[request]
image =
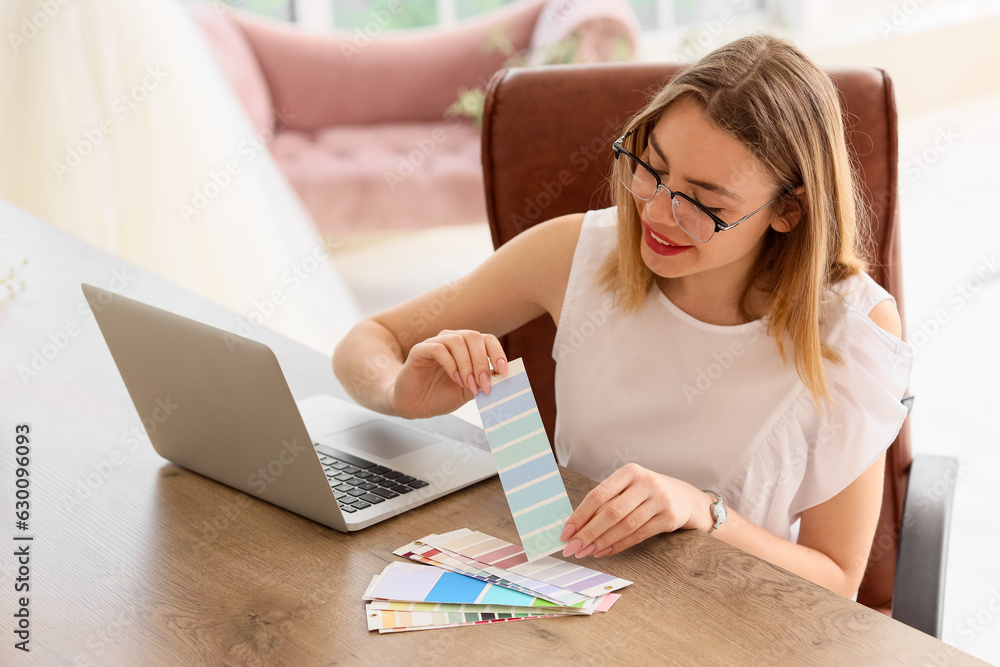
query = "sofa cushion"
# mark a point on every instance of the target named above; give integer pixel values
(373, 75)
(237, 60)
(381, 176)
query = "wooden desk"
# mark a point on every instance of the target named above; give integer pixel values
(136, 561)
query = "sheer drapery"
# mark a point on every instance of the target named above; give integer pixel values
(118, 126)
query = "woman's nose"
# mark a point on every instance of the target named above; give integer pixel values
(660, 206)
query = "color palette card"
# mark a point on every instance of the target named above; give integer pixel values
(421, 614)
(394, 605)
(528, 472)
(456, 581)
(413, 582)
(430, 555)
(410, 628)
(423, 552)
(510, 562)
(387, 615)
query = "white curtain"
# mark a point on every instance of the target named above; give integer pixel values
(116, 125)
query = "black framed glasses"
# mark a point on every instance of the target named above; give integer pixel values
(694, 219)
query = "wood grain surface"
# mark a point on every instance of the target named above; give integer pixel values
(137, 561)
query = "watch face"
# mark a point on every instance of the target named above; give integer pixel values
(718, 509)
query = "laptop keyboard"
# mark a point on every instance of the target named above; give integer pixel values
(358, 484)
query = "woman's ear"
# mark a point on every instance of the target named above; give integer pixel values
(792, 212)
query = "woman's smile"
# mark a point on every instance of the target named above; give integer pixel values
(660, 243)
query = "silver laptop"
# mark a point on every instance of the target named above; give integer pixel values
(218, 404)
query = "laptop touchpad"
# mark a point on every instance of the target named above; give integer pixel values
(381, 438)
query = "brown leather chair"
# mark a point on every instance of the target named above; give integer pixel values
(547, 135)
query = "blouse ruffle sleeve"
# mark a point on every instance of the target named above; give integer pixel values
(865, 414)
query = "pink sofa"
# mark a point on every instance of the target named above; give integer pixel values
(358, 121)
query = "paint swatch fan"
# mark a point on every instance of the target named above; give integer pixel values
(475, 579)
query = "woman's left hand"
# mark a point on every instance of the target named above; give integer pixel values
(632, 504)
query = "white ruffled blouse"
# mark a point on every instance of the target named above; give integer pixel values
(714, 405)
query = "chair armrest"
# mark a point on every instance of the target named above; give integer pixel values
(918, 590)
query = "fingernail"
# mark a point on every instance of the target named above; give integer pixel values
(572, 547)
(472, 385)
(458, 378)
(484, 381)
(567, 532)
(604, 552)
(591, 548)
(502, 366)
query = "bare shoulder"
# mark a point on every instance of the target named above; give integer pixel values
(858, 288)
(556, 234)
(886, 315)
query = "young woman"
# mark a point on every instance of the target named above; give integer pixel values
(737, 353)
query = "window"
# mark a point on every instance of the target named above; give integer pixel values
(278, 9)
(387, 14)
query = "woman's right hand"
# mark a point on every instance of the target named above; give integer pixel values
(444, 372)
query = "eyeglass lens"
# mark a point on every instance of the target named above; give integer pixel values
(640, 181)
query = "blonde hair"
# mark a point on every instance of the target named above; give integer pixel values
(777, 102)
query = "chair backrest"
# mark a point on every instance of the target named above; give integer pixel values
(547, 135)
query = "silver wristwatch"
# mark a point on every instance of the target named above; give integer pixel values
(718, 510)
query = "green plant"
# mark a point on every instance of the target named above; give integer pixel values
(469, 105)
(470, 102)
